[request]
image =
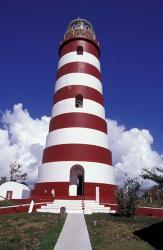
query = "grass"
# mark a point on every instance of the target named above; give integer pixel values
(153, 205)
(36, 231)
(117, 233)
(4, 203)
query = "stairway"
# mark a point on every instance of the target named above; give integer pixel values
(75, 206)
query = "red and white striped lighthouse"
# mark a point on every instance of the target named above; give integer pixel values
(76, 160)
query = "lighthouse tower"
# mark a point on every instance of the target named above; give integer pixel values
(77, 163)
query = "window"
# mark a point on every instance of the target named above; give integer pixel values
(79, 101)
(79, 50)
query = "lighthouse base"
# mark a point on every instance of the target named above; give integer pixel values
(60, 190)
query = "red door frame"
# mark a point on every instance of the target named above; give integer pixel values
(9, 195)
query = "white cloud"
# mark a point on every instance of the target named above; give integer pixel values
(132, 151)
(23, 138)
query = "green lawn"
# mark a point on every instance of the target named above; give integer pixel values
(116, 233)
(30, 231)
(4, 203)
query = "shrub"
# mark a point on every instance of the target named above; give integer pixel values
(127, 197)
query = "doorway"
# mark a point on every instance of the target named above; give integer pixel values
(77, 178)
(80, 185)
(9, 195)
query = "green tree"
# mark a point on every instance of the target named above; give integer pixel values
(155, 194)
(3, 180)
(128, 196)
(153, 175)
(16, 172)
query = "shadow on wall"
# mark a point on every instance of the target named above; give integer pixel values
(25, 194)
(152, 234)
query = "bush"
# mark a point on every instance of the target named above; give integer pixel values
(127, 197)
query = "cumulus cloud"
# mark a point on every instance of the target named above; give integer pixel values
(132, 151)
(22, 139)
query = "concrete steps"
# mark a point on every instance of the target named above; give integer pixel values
(75, 206)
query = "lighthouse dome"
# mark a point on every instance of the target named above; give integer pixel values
(80, 28)
(80, 24)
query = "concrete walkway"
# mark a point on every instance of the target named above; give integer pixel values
(74, 235)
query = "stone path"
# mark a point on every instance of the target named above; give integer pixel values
(74, 235)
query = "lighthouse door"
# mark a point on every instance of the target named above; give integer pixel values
(80, 185)
(77, 179)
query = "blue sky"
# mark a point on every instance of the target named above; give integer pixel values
(131, 39)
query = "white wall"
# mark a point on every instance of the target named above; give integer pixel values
(60, 172)
(73, 57)
(77, 135)
(68, 106)
(20, 191)
(78, 79)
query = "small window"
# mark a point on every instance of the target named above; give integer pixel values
(79, 101)
(79, 50)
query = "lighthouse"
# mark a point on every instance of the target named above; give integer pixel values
(77, 162)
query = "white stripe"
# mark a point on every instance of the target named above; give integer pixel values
(60, 172)
(78, 79)
(68, 106)
(73, 57)
(77, 135)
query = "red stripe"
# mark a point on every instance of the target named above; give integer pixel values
(80, 67)
(72, 46)
(83, 120)
(77, 152)
(107, 191)
(73, 90)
